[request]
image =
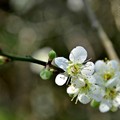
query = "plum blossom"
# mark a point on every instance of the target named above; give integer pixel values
(111, 100)
(75, 67)
(85, 93)
(107, 76)
(89, 82)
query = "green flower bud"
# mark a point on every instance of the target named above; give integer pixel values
(2, 60)
(45, 74)
(94, 104)
(114, 109)
(52, 55)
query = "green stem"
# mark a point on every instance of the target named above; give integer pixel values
(25, 59)
(29, 59)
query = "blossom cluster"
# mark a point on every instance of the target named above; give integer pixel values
(97, 83)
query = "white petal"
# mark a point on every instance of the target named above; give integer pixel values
(78, 82)
(105, 106)
(88, 68)
(91, 79)
(116, 101)
(99, 79)
(112, 82)
(61, 62)
(97, 93)
(113, 64)
(118, 87)
(117, 74)
(100, 66)
(72, 90)
(78, 55)
(84, 98)
(60, 79)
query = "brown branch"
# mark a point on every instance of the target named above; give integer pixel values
(100, 31)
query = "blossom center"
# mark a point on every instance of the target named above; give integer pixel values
(86, 87)
(110, 93)
(107, 76)
(73, 69)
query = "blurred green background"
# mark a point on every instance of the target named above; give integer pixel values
(27, 26)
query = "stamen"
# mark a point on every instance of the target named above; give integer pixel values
(68, 79)
(76, 100)
(87, 60)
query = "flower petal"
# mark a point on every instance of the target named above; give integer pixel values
(83, 98)
(72, 90)
(91, 79)
(113, 64)
(97, 93)
(100, 66)
(116, 101)
(99, 80)
(118, 88)
(105, 106)
(61, 62)
(78, 55)
(79, 82)
(60, 79)
(88, 69)
(112, 82)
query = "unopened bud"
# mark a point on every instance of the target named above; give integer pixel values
(45, 74)
(114, 109)
(2, 60)
(52, 55)
(94, 104)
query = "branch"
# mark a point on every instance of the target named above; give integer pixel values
(29, 59)
(100, 31)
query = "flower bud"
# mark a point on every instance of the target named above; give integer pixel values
(94, 104)
(45, 74)
(52, 55)
(2, 60)
(114, 109)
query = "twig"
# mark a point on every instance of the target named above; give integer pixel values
(100, 31)
(28, 59)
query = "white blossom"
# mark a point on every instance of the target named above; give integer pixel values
(87, 91)
(75, 67)
(110, 100)
(107, 76)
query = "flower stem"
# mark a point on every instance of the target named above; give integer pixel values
(29, 59)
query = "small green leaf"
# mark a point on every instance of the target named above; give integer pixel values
(45, 74)
(52, 55)
(94, 104)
